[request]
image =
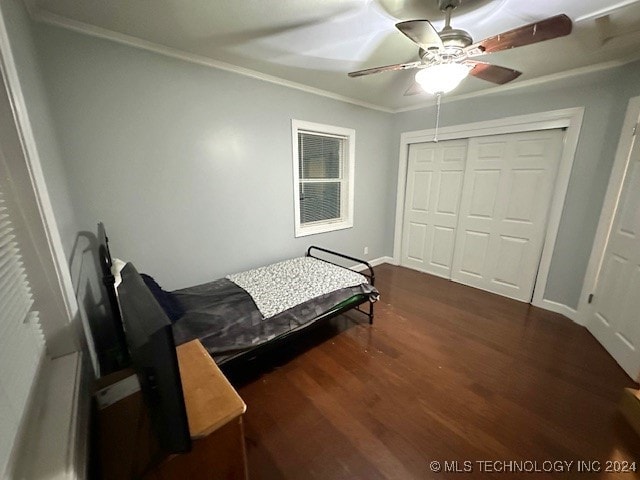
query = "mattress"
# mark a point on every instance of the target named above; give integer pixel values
(225, 318)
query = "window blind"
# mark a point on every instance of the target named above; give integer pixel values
(320, 171)
(21, 340)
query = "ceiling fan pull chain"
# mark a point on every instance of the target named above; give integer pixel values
(435, 135)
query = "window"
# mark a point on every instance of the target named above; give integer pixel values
(323, 170)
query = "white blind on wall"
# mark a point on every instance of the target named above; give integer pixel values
(320, 170)
(21, 340)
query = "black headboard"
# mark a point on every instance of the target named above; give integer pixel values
(109, 282)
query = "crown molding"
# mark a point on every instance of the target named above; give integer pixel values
(43, 16)
(605, 11)
(39, 15)
(575, 72)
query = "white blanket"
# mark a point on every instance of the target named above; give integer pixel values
(278, 287)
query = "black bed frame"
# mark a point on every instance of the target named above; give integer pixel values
(371, 276)
(109, 281)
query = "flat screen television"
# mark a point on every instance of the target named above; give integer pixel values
(150, 341)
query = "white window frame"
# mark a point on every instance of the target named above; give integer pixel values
(348, 180)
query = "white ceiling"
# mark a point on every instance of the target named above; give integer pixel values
(314, 43)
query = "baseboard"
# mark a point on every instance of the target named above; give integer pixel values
(374, 263)
(560, 308)
(380, 260)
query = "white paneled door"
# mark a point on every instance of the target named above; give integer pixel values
(476, 209)
(615, 311)
(434, 186)
(508, 186)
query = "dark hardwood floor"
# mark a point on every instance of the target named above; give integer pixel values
(445, 373)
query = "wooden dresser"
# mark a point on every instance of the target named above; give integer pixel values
(214, 410)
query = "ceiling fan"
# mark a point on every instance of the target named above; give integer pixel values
(446, 57)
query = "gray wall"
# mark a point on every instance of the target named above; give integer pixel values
(605, 96)
(190, 167)
(60, 334)
(20, 30)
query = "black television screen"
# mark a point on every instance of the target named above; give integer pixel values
(153, 353)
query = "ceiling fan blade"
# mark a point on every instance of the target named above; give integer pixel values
(414, 89)
(492, 73)
(386, 68)
(422, 33)
(552, 27)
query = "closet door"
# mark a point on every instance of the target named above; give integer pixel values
(508, 186)
(614, 315)
(434, 185)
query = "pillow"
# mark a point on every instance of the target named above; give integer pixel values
(116, 266)
(167, 301)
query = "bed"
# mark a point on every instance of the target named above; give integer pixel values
(242, 315)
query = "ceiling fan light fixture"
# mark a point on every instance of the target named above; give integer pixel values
(442, 78)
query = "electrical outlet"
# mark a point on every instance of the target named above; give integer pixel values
(366, 250)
